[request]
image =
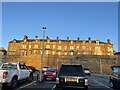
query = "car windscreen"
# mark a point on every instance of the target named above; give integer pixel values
(9, 66)
(116, 70)
(71, 71)
(50, 70)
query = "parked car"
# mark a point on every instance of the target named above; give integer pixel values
(45, 68)
(32, 68)
(114, 80)
(87, 71)
(11, 73)
(50, 74)
(71, 76)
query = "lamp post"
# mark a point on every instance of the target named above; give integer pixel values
(44, 29)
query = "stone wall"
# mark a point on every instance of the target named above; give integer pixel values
(96, 64)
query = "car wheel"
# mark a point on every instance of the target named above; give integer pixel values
(86, 88)
(111, 84)
(30, 78)
(4, 86)
(14, 82)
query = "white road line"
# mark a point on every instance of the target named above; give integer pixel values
(53, 87)
(26, 85)
(102, 84)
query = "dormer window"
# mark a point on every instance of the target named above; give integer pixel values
(71, 42)
(25, 40)
(48, 41)
(83, 42)
(97, 42)
(59, 42)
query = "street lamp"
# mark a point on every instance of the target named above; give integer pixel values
(44, 29)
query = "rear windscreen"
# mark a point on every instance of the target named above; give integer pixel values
(9, 66)
(71, 71)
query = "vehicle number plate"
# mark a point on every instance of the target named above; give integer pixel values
(71, 80)
(48, 78)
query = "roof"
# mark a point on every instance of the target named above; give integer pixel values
(54, 40)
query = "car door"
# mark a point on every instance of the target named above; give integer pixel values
(23, 71)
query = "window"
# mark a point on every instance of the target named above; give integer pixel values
(65, 53)
(24, 46)
(59, 53)
(29, 46)
(47, 52)
(83, 48)
(12, 48)
(36, 41)
(41, 46)
(25, 40)
(25, 52)
(84, 53)
(59, 47)
(83, 42)
(53, 46)
(78, 47)
(36, 46)
(71, 42)
(48, 46)
(97, 51)
(53, 52)
(59, 42)
(35, 51)
(97, 42)
(48, 41)
(41, 52)
(17, 48)
(65, 47)
(90, 48)
(22, 53)
(23, 67)
(71, 47)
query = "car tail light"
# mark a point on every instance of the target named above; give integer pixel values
(44, 73)
(5, 74)
(86, 81)
(54, 73)
(57, 80)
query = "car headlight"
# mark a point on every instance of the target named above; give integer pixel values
(86, 81)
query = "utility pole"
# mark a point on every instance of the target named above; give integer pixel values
(100, 66)
(44, 29)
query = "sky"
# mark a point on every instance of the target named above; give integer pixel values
(98, 20)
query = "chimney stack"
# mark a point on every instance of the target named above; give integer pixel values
(78, 38)
(67, 38)
(108, 41)
(57, 38)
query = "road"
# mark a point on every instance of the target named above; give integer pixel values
(96, 82)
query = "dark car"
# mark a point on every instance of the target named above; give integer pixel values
(71, 76)
(50, 74)
(87, 71)
(114, 80)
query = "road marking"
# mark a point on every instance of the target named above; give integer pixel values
(50, 82)
(53, 87)
(26, 85)
(102, 84)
